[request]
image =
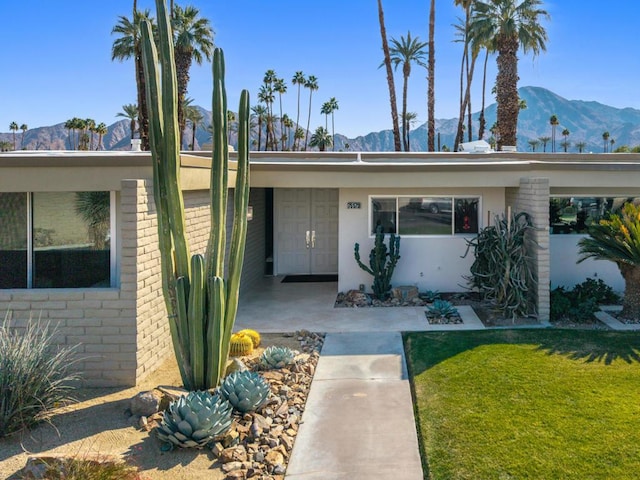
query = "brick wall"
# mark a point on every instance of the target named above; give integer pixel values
(123, 332)
(532, 197)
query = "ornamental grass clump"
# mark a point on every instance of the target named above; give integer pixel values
(35, 374)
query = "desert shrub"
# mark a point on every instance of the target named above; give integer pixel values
(598, 290)
(578, 304)
(34, 374)
(501, 271)
(84, 469)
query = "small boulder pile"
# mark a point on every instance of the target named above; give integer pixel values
(258, 444)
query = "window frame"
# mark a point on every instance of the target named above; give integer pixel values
(422, 196)
(583, 195)
(113, 246)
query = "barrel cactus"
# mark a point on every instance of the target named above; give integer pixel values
(193, 420)
(241, 345)
(277, 357)
(246, 391)
(255, 336)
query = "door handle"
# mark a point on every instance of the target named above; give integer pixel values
(313, 239)
(307, 239)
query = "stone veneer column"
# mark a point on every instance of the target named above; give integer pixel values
(532, 197)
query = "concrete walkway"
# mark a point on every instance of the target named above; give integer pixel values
(358, 422)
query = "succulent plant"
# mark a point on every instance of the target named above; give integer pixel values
(431, 295)
(246, 391)
(240, 345)
(255, 336)
(193, 420)
(441, 309)
(277, 357)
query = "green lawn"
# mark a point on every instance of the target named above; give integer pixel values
(527, 404)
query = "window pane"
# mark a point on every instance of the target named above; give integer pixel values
(13, 240)
(425, 216)
(71, 239)
(576, 214)
(466, 215)
(383, 213)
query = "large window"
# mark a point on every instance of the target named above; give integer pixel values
(575, 214)
(55, 240)
(419, 216)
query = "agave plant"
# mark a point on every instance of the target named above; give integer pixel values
(194, 420)
(246, 391)
(441, 309)
(277, 357)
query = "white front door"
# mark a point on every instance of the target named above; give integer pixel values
(306, 229)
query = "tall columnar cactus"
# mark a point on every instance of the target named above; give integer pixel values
(382, 262)
(200, 301)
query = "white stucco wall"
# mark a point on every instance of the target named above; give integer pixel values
(430, 263)
(566, 273)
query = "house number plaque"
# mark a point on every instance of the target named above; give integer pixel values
(351, 205)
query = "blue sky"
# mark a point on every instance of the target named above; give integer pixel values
(57, 57)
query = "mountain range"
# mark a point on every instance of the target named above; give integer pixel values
(585, 120)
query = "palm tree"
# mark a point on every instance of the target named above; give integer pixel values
(605, 138)
(312, 85)
(533, 144)
(260, 113)
(612, 142)
(299, 80)
(321, 139)
(431, 80)
(13, 126)
(509, 25)
(581, 146)
(617, 239)
(565, 144)
(192, 114)
(287, 122)
(101, 130)
(69, 125)
(298, 135)
(544, 141)
(128, 46)
(325, 110)
(130, 111)
(265, 95)
(405, 52)
(334, 106)
(91, 128)
(553, 121)
(482, 122)
(565, 134)
(390, 82)
(24, 129)
(472, 47)
(193, 39)
(232, 123)
(410, 119)
(280, 87)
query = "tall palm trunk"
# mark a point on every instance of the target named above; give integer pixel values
(631, 301)
(259, 132)
(405, 121)
(306, 136)
(431, 66)
(481, 120)
(333, 134)
(507, 88)
(183, 64)
(392, 88)
(295, 140)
